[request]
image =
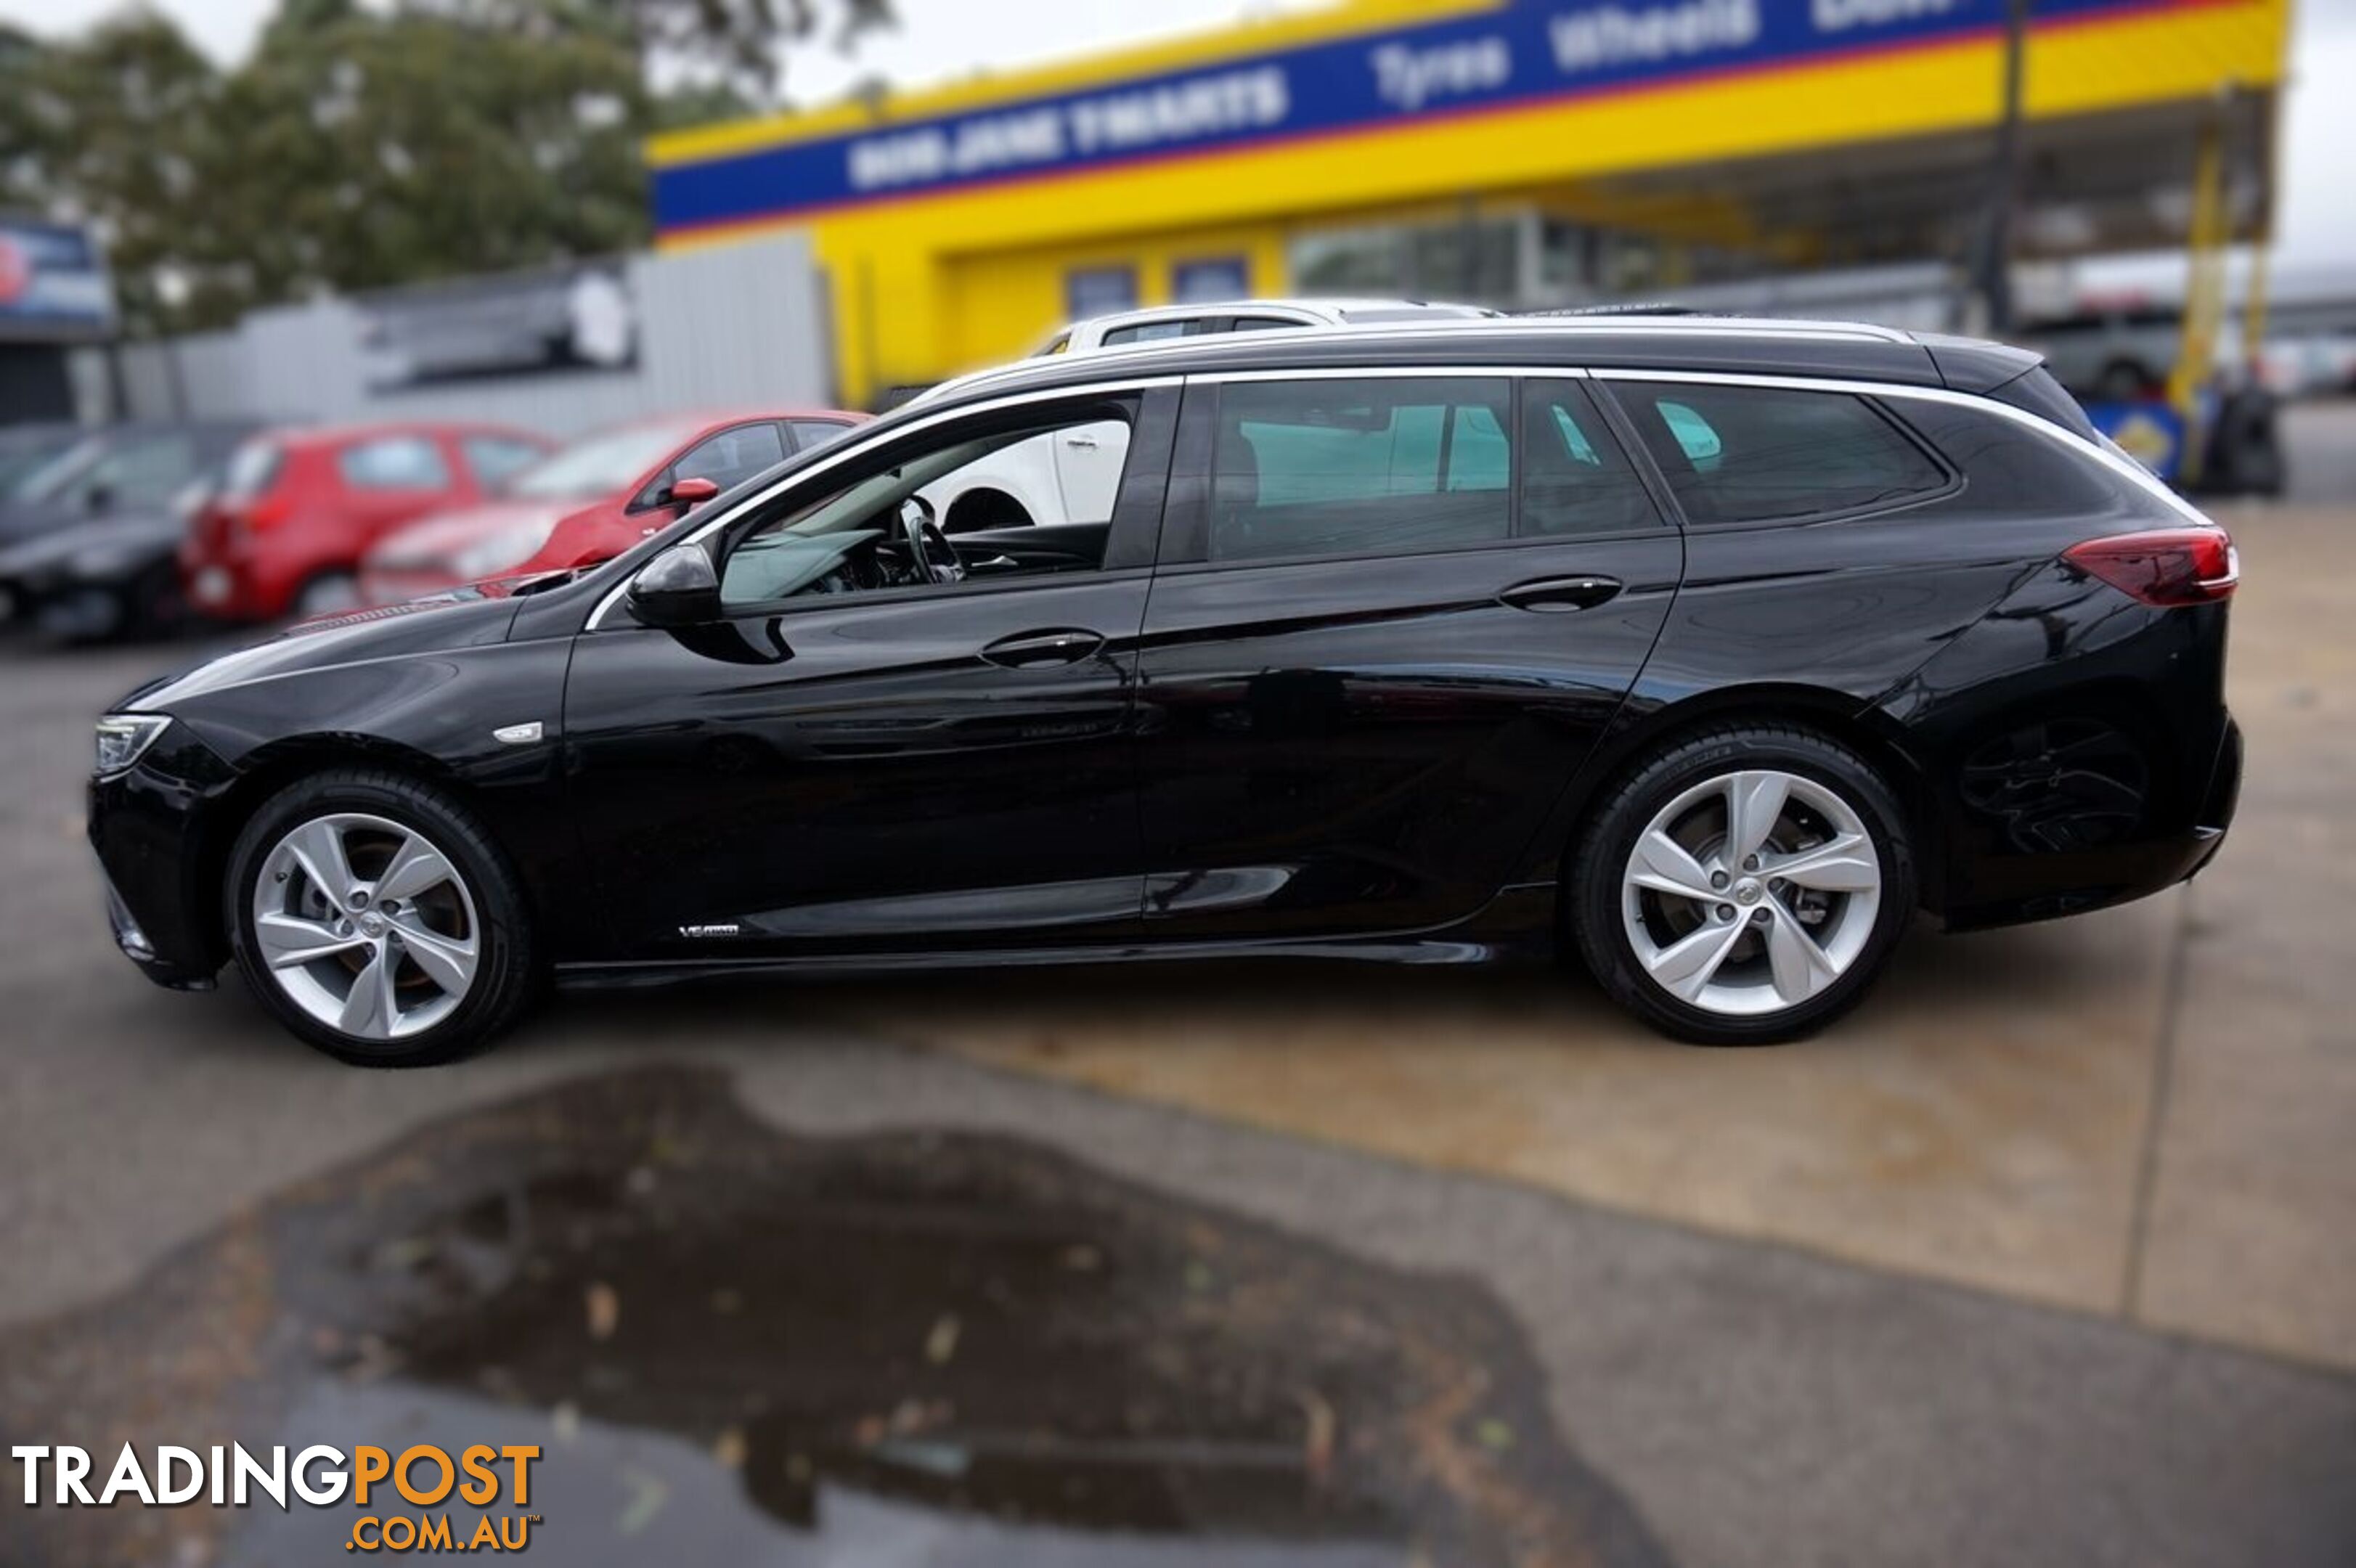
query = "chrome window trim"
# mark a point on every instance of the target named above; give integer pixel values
(839, 453)
(1561, 327)
(2117, 463)
(1391, 373)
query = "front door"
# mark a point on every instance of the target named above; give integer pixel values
(869, 751)
(1394, 615)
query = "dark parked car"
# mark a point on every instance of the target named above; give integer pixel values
(116, 469)
(114, 570)
(1711, 650)
(25, 448)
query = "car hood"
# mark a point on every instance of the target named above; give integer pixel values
(25, 519)
(444, 534)
(153, 532)
(442, 622)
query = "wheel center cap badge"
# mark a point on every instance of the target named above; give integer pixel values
(1745, 892)
(373, 924)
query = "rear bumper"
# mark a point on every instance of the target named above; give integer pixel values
(2042, 887)
(229, 586)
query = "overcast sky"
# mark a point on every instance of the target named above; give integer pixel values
(946, 38)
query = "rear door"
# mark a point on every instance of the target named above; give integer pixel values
(1393, 615)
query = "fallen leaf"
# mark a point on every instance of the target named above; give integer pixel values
(942, 1343)
(648, 1495)
(605, 1311)
(1495, 1433)
(729, 1451)
(1317, 1442)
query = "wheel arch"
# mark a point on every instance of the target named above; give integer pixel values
(281, 763)
(1836, 716)
(981, 496)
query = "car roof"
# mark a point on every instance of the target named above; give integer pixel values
(1763, 346)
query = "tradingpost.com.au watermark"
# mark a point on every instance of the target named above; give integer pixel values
(451, 1498)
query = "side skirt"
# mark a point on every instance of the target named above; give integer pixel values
(1518, 924)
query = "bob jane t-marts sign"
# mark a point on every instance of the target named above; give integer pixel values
(1519, 53)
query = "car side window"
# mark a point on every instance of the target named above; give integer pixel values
(394, 462)
(1740, 455)
(143, 473)
(1153, 331)
(1575, 478)
(495, 457)
(1264, 324)
(856, 537)
(807, 434)
(1382, 465)
(735, 454)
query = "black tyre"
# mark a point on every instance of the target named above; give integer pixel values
(327, 593)
(376, 918)
(1742, 886)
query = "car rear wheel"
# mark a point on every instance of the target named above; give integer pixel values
(1743, 886)
(375, 917)
(328, 593)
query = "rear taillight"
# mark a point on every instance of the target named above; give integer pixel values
(256, 515)
(2167, 567)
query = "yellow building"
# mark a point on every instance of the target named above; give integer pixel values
(1517, 152)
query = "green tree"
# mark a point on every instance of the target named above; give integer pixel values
(368, 149)
(361, 147)
(116, 129)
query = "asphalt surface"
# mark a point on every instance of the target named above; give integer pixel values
(1173, 1336)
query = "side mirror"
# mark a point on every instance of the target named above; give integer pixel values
(678, 588)
(687, 492)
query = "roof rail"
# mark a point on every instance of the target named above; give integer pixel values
(1661, 307)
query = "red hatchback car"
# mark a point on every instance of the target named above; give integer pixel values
(592, 500)
(298, 508)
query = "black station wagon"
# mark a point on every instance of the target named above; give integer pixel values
(1708, 650)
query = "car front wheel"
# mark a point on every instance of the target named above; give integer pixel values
(375, 917)
(1743, 886)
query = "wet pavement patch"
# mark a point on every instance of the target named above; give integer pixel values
(737, 1346)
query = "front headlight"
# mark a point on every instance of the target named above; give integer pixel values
(123, 739)
(506, 549)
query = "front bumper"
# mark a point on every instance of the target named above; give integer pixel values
(151, 828)
(136, 945)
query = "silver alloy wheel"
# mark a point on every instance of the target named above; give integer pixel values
(1751, 893)
(330, 594)
(366, 925)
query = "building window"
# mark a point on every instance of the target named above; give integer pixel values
(1210, 280)
(1099, 291)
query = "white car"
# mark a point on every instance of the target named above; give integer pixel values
(1071, 476)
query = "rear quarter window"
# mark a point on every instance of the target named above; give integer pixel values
(394, 462)
(1746, 454)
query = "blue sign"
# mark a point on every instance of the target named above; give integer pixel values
(1521, 53)
(2150, 433)
(53, 282)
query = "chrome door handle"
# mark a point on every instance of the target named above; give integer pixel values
(1555, 595)
(1040, 650)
